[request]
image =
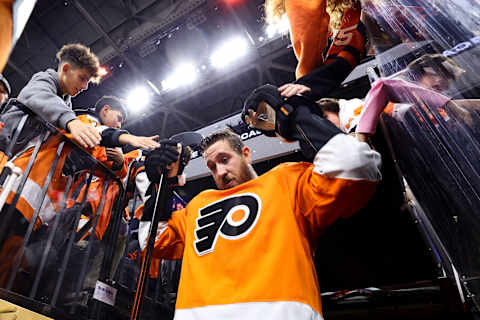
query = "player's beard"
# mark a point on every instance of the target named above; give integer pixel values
(246, 172)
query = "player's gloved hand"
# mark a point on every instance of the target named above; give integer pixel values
(161, 157)
(294, 119)
(266, 110)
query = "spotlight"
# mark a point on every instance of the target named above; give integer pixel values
(184, 74)
(138, 99)
(229, 52)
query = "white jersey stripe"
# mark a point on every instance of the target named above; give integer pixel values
(278, 310)
(345, 157)
(31, 193)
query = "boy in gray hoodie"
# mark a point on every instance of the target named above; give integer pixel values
(49, 92)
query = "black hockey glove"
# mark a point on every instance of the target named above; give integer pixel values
(161, 157)
(189, 141)
(295, 119)
(266, 110)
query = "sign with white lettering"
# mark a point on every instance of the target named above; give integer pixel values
(242, 130)
(462, 47)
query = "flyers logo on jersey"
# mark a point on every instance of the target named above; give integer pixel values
(232, 218)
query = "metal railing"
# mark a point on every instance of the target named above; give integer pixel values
(44, 262)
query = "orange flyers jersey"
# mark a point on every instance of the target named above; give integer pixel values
(247, 251)
(309, 31)
(30, 196)
(94, 198)
(6, 31)
(96, 187)
(134, 158)
(133, 155)
(348, 43)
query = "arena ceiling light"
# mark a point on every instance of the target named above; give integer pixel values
(184, 74)
(229, 52)
(138, 99)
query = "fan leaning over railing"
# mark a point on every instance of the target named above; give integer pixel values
(42, 209)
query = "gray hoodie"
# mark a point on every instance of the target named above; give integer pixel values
(42, 95)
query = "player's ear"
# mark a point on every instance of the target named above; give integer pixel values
(247, 154)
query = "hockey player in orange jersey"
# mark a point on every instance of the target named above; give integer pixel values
(328, 39)
(247, 247)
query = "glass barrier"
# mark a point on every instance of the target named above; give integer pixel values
(428, 101)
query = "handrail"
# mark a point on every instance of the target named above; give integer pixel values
(53, 129)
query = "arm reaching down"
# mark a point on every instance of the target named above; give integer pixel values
(384, 91)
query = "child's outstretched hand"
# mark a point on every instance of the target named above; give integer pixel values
(148, 143)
